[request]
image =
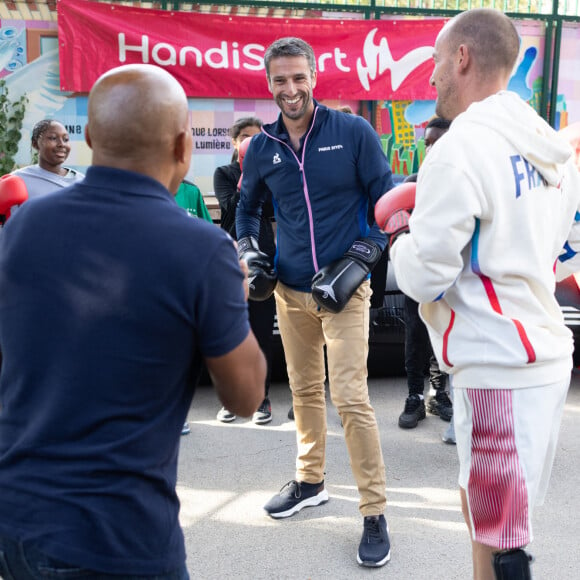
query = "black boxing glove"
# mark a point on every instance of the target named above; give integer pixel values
(334, 285)
(262, 277)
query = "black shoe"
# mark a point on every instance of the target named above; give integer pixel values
(375, 547)
(263, 414)
(294, 496)
(413, 412)
(512, 564)
(441, 405)
(291, 414)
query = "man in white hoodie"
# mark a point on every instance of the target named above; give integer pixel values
(495, 216)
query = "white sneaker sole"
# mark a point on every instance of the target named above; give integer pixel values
(313, 501)
(261, 420)
(226, 419)
(369, 563)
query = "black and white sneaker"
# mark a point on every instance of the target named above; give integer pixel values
(375, 547)
(264, 413)
(441, 405)
(294, 496)
(225, 416)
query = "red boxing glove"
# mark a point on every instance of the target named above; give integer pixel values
(13, 192)
(393, 210)
(241, 154)
(397, 224)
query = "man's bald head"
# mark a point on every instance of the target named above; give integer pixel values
(137, 117)
(474, 56)
(491, 37)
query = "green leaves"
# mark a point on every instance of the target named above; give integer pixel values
(11, 117)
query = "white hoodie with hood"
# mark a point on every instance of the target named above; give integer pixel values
(498, 198)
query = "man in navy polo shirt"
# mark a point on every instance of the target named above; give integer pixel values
(111, 297)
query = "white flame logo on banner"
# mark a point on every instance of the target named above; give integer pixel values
(378, 59)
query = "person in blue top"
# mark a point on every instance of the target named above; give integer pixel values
(105, 322)
(323, 170)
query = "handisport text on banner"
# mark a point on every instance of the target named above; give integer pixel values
(222, 56)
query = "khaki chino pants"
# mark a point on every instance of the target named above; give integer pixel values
(305, 329)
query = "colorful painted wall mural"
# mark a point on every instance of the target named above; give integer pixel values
(29, 65)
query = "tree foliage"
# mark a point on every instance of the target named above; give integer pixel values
(11, 118)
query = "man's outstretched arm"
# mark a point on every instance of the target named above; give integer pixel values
(239, 377)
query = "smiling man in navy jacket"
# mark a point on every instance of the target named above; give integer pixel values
(323, 169)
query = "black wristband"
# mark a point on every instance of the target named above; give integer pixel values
(365, 251)
(246, 244)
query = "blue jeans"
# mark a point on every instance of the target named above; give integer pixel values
(22, 561)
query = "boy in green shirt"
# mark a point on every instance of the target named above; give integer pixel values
(189, 197)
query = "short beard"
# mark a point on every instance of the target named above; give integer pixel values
(293, 115)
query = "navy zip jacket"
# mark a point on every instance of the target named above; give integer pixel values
(321, 195)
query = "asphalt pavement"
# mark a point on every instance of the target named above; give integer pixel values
(228, 471)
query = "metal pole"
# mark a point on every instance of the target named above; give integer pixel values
(555, 72)
(546, 69)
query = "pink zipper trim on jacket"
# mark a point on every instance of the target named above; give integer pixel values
(305, 185)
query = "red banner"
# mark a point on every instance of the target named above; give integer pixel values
(222, 56)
